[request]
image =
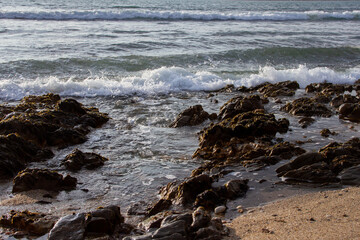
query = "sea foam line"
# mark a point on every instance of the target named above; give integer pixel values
(180, 15)
(167, 80)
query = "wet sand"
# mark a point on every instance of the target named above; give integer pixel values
(324, 215)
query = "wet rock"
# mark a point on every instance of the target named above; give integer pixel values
(227, 89)
(30, 179)
(306, 121)
(285, 150)
(350, 176)
(29, 222)
(187, 217)
(190, 117)
(219, 209)
(327, 88)
(208, 233)
(104, 220)
(77, 159)
(306, 107)
(286, 88)
(350, 111)
(208, 199)
(341, 99)
(302, 160)
(217, 140)
(137, 208)
(326, 132)
(71, 106)
(71, 227)
(159, 206)
(187, 191)
(16, 153)
(236, 188)
(240, 105)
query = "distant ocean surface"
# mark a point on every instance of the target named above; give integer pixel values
(115, 48)
(144, 61)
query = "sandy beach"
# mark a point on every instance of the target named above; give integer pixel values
(323, 215)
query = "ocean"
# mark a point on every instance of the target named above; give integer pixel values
(143, 62)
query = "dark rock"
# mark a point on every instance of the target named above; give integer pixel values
(228, 88)
(208, 233)
(236, 188)
(285, 150)
(350, 176)
(137, 208)
(217, 141)
(326, 132)
(159, 206)
(190, 117)
(306, 121)
(71, 227)
(71, 106)
(175, 236)
(307, 107)
(201, 219)
(104, 220)
(16, 153)
(302, 160)
(240, 105)
(207, 199)
(341, 99)
(286, 88)
(30, 179)
(30, 222)
(350, 111)
(187, 217)
(326, 88)
(77, 159)
(171, 228)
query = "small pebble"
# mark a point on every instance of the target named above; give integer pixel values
(220, 209)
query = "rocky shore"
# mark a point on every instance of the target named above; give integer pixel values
(243, 133)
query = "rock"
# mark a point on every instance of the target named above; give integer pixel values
(207, 199)
(327, 88)
(187, 217)
(240, 105)
(175, 236)
(159, 206)
(208, 233)
(236, 188)
(30, 222)
(286, 88)
(71, 106)
(350, 111)
(341, 99)
(104, 220)
(190, 117)
(30, 179)
(16, 153)
(137, 208)
(350, 176)
(302, 160)
(285, 150)
(200, 219)
(186, 192)
(219, 209)
(71, 227)
(77, 159)
(326, 132)
(171, 228)
(306, 107)
(218, 140)
(306, 121)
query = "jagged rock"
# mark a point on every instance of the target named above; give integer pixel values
(16, 153)
(302, 160)
(30, 222)
(326, 132)
(328, 88)
(77, 159)
(178, 226)
(71, 227)
(190, 117)
(104, 220)
(240, 105)
(341, 99)
(236, 188)
(306, 121)
(350, 111)
(208, 199)
(71, 106)
(217, 139)
(30, 179)
(306, 107)
(159, 206)
(286, 88)
(201, 219)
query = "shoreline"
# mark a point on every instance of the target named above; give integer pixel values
(328, 215)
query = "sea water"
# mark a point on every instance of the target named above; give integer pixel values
(143, 62)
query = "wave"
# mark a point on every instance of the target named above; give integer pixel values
(181, 15)
(167, 80)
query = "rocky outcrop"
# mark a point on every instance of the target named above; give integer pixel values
(192, 116)
(332, 163)
(307, 107)
(30, 179)
(286, 88)
(240, 105)
(350, 111)
(31, 222)
(39, 122)
(103, 221)
(77, 160)
(328, 88)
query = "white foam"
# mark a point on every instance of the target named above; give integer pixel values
(177, 15)
(166, 80)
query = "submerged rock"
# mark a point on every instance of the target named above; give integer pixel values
(30, 179)
(190, 117)
(77, 160)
